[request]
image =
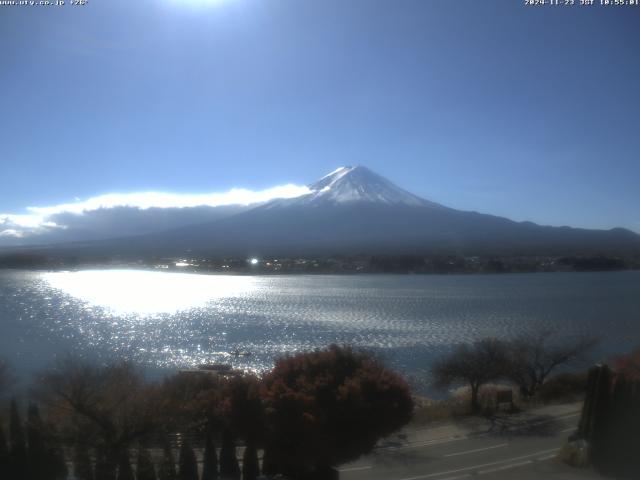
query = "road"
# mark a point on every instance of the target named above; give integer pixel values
(522, 446)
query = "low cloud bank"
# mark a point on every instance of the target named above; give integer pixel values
(130, 214)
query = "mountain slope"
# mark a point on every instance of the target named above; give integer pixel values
(354, 210)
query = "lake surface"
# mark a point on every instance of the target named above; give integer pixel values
(173, 320)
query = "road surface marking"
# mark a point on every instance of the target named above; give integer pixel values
(475, 450)
(409, 431)
(427, 443)
(546, 457)
(546, 420)
(456, 438)
(475, 467)
(505, 467)
(355, 469)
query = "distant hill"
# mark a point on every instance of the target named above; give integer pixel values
(354, 210)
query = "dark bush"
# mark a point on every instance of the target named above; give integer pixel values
(564, 387)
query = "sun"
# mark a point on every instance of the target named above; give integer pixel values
(199, 3)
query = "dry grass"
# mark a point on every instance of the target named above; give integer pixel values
(438, 410)
(563, 388)
(575, 454)
(458, 404)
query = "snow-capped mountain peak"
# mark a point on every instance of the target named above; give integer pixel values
(353, 186)
(359, 185)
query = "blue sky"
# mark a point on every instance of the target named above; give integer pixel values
(527, 112)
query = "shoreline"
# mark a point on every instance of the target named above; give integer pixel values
(263, 273)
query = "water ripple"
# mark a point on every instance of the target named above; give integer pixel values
(180, 320)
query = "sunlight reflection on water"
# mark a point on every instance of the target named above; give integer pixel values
(147, 292)
(164, 320)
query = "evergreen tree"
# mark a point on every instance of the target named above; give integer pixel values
(106, 465)
(250, 465)
(619, 438)
(18, 466)
(210, 462)
(125, 472)
(601, 419)
(59, 470)
(168, 466)
(188, 463)
(38, 460)
(4, 455)
(144, 468)
(82, 468)
(585, 426)
(229, 468)
(269, 464)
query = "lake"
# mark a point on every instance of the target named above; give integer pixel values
(165, 321)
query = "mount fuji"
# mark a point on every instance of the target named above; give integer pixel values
(354, 210)
(351, 185)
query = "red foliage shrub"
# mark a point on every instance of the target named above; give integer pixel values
(331, 406)
(629, 365)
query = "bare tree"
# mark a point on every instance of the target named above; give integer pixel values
(475, 365)
(533, 358)
(106, 407)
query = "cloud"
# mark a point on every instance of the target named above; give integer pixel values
(26, 221)
(11, 232)
(23, 226)
(132, 213)
(145, 200)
